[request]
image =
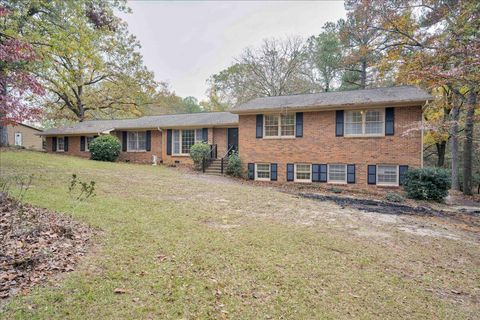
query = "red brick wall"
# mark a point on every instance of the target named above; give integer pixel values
(320, 145)
(146, 156)
(136, 157)
(73, 147)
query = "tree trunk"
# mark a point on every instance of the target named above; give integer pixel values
(454, 146)
(363, 75)
(441, 147)
(3, 136)
(468, 145)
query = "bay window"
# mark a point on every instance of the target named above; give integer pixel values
(279, 125)
(365, 122)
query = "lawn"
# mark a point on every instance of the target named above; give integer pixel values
(185, 246)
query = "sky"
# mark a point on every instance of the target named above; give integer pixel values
(186, 42)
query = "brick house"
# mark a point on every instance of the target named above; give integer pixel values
(167, 138)
(360, 138)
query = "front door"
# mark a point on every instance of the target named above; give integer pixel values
(18, 138)
(232, 139)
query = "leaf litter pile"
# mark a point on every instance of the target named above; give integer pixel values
(36, 244)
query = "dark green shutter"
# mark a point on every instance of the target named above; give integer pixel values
(54, 144)
(251, 171)
(273, 172)
(299, 125)
(315, 172)
(323, 173)
(290, 172)
(169, 142)
(148, 142)
(124, 141)
(372, 174)
(65, 144)
(389, 121)
(205, 135)
(339, 123)
(82, 143)
(402, 171)
(350, 173)
(259, 130)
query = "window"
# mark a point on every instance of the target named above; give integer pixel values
(87, 143)
(262, 171)
(136, 141)
(387, 175)
(365, 123)
(279, 125)
(303, 173)
(337, 173)
(60, 143)
(183, 140)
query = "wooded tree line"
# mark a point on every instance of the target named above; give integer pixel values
(75, 60)
(433, 44)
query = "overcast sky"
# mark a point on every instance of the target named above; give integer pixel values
(186, 42)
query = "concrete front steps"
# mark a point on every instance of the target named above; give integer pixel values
(215, 167)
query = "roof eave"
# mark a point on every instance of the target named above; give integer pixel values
(405, 103)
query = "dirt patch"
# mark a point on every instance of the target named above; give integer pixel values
(369, 205)
(36, 244)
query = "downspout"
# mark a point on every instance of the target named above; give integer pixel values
(421, 138)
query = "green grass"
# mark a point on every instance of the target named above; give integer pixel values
(233, 251)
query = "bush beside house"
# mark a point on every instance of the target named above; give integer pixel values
(198, 152)
(234, 166)
(105, 148)
(427, 184)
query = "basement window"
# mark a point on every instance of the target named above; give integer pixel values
(262, 171)
(387, 175)
(337, 173)
(303, 172)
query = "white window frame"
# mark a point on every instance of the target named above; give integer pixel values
(336, 181)
(128, 144)
(364, 116)
(295, 179)
(388, 184)
(196, 130)
(63, 145)
(87, 149)
(269, 172)
(279, 126)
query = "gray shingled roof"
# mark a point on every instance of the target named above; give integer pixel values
(325, 100)
(206, 119)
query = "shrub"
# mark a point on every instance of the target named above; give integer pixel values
(427, 184)
(394, 197)
(198, 152)
(105, 148)
(335, 190)
(234, 166)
